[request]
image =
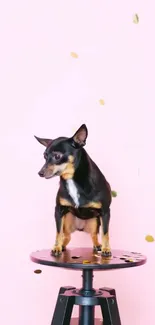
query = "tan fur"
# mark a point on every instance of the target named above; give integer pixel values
(71, 158)
(51, 170)
(66, 170)
(72, 223)
(93, 227)
(59, 239)
(69, 170)
(105, 240)
(95, 205)
(65, 202)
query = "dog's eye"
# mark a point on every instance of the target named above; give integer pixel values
(57, 156)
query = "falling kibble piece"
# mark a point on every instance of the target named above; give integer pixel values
(149, 238)
(37, 271)
(101, 101)
(113, 193)
(74, 55)
(136, 19)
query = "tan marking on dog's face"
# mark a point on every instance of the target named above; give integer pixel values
(52, 170)
(71, 158)
(69, 171)
(66, 170)
(95, 205)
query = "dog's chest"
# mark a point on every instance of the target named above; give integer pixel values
(73, 192)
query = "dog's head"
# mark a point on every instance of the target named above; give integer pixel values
(62, 153)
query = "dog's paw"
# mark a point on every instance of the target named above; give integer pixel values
(57, 250)
(97, 248)
(106, 252)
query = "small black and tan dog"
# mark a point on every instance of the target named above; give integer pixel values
(84, 196)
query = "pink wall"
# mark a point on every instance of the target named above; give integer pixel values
(45, 91)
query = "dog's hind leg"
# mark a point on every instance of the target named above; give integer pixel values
(105, 219)
(92, 227)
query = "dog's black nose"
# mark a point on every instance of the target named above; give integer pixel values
(41, 173)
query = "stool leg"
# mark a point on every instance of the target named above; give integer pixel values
(63, 289)
(109, 308)
(110, 290)
(64, 307)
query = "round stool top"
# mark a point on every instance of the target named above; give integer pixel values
(85, 258)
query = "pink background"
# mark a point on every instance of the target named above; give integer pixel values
(44, 91)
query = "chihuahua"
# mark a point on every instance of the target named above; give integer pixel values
(84, 196)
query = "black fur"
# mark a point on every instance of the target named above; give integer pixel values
(89, 180)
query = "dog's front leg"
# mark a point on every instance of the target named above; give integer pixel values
(59, 219)
(105, 220)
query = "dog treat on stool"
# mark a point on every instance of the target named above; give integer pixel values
(84, 196)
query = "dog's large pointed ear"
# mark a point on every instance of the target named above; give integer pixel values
(79, 138)
(44, 142)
